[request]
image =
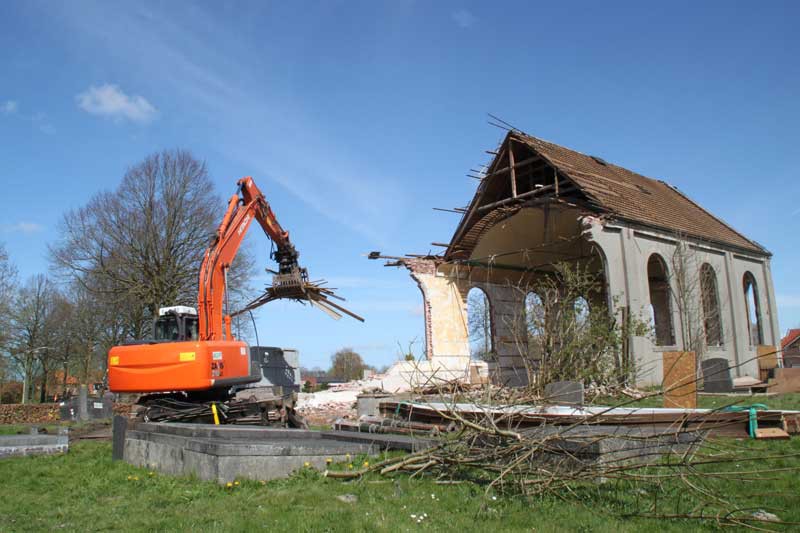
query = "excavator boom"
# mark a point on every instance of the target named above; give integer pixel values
(244, 206)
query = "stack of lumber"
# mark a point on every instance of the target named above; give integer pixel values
(716, 422)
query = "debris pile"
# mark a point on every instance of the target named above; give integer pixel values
(565, 450)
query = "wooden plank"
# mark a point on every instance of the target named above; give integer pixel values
(767, 357)
(680, 380)
(529, 194)
(771, 434)
(513, 170)
(555, 179)
(516, 166)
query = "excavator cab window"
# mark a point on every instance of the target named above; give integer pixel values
(190, 323)
(175, 327)
(167, 328)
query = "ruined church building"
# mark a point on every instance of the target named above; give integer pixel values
(538, 204)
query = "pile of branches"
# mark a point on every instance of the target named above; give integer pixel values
(639, 471)
(300, 289)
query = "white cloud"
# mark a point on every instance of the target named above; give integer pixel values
(251, 127)
(463, 18)
(26, 228)
(8, 107)
(108, 100)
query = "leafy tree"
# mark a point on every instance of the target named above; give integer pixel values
(347, 365)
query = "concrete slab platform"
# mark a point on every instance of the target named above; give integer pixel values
(224, 453)
(589, 446)
(17, 445)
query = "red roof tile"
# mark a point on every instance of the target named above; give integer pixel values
(791, 336)
(631, 196)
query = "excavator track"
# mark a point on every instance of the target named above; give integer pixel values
(273, 412)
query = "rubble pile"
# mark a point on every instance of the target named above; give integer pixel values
(324, 407)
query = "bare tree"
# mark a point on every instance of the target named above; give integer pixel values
(695, 291)
(685, 287)
(479, 322)
(565, 330)
(8, 280)
(140, 247)
(30, 325)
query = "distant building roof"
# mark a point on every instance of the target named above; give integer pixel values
(791, 337)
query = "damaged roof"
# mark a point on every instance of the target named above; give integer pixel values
(624, 195)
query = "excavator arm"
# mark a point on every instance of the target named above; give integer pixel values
(213, 361)
(247, 204)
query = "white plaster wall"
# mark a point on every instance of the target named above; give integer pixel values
(507, 306)
(627, 252)
(759, 268)
(446, 314)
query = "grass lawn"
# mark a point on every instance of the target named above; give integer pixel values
(786, 402)
(17, 429)
(74, 427)
(86, 490)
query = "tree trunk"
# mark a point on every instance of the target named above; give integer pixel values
(25, 384)
(43, 392)
(64, 384)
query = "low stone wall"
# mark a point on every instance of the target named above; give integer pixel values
(16, 445)
(225, 453)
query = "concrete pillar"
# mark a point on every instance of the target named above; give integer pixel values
(83, 403)
(772, 308)
(507, 309)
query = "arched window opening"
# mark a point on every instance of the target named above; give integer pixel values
(479, 317)
(535, 325)
(712, 317)
(660, 300)
(581, 306)
(751, 301)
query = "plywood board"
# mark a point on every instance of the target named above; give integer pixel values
(680, 380)
(771, 434)
(767, 357)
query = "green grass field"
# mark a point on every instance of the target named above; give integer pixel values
(85, 490)
(787, 402)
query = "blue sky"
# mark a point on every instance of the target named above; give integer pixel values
(356, 118)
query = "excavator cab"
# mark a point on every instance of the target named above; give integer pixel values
(177, 323)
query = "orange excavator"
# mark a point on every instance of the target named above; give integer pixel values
(193, 362)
